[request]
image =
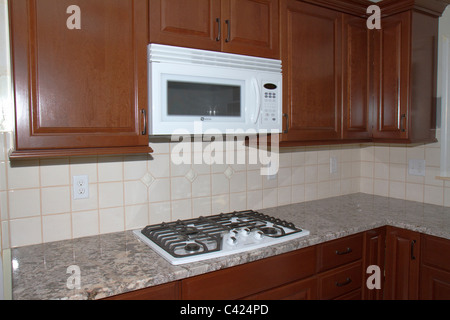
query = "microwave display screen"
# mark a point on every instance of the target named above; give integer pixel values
(203, 99)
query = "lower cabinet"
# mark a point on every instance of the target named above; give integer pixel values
(411, 266)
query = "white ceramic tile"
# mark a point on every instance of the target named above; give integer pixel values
(85, 223)
(238, 201)
(238, 182)
(367, 169)
(298, 193)
(284, 177)
(23, 174)
(285, 160)
(159, 190)
(159, 212)
(381, 187)
(397, 154)
(56, 227)
(135, 192)
(110, 194)
(134, 166)
(54, 172)
(323, 172)
(311, 157)
(201, 187)
(5, 235)
(447, 197)
(159, 166)
(136, 216)
(24, 203)
(3, 184)
(110, 168)
(414, 192)
(298, 158)
(181, 209)
(323, 190)
(284, 195)
(25, 232)
(254, 199)
(159, 148)
(381, 170)
(366, 185)
(434, 195)
(433, 157)
(201, 207)
(84, 166)
(3, 206)
(311, 174)
(367, 154)
(310, 191)
(219, 184)
(397, 189)
(220, 204)
(430, 176)
(55, 200)
(254, 180)
(298, 175)
(112, 220)
(180, 188)
(397, 172)
(270, 198)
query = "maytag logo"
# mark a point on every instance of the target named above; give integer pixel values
(205, 119)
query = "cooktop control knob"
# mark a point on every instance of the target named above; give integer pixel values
(258, 235)
(245, 232)
(232, 241)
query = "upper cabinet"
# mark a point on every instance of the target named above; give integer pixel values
(80, 76)
(344, 82)
(249, 27)
(405, 75)
(312, 71)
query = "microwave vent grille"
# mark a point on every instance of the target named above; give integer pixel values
(170, 54)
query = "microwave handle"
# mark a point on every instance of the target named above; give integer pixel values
(258, 100)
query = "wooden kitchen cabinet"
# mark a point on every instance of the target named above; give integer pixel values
(312, 72)
(248, 27)
(405, 76)
(251, 278)
(374, 255)
(402, 264)
(79, 91)
(167, 291)
(435, 268)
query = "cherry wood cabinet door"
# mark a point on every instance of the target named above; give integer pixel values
(312, 71)
(299, 290)
(374, 254)
(251, 27)
(80, 88)
(392, 55)
(402, 264)
(356, 115)
(186, 23)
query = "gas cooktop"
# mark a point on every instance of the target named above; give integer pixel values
(202, 238)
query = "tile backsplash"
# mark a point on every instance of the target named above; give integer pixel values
(131, 191)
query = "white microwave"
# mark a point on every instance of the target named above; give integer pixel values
(195, 91)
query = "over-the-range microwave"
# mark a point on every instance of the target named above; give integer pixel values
(195, 91)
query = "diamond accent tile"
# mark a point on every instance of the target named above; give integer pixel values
(228, 172)
(147, 179)
(191, 175)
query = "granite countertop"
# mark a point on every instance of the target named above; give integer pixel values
(116, 263)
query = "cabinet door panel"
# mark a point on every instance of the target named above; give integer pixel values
(312, 72)
(391, 71)
(434, 284)
(402, 264)
(356, 113)
(77, 88)
(187, 23)
(251, 27)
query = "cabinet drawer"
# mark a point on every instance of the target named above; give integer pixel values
(342, 280)
(339, 252)
(244, 280)
(168, 291)
(435, 252)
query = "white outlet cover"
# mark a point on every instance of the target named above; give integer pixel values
(416, 167)
(80, 186)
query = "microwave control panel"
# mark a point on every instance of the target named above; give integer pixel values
(270, 104)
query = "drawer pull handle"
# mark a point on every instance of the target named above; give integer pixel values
(346, 282)
(413, 257)
(339, 253)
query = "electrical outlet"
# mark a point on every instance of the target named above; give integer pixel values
(80, 187)
(416, 167)
(333, 165)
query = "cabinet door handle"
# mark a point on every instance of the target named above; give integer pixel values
(228, 22)
(144, 114)
(341, 284)
(402, 122)
(219, 32)
(413, 257)
(340, 253)
(285, 115)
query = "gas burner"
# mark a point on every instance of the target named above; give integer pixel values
(191, 240)
(192, 247)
